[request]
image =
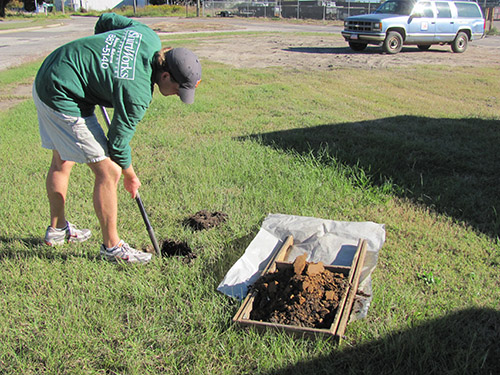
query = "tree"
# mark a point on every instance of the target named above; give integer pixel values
(3, 3)
(29, 5)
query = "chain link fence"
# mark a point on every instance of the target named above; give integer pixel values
(323, 10)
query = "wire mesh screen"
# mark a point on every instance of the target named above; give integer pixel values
(325, 10)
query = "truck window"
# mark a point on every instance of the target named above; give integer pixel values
(443, 10)
(468, 10)
(428, 10)
(423, 9)
(396, 7)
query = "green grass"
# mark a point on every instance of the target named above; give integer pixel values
(12, 13)
(146, 11)
(38, 22)
(493, 31)
(368, 146)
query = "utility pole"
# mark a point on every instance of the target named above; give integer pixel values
(62, 5)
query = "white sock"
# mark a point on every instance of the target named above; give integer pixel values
(114, 247)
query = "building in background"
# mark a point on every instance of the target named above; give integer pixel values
(102, 4)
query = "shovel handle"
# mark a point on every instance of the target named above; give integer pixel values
(105, 115)
(149, 228)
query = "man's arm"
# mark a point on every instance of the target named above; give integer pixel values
(121, 131)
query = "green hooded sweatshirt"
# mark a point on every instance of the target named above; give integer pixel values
(112, 68)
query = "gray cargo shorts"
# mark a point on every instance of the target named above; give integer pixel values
(78, 139)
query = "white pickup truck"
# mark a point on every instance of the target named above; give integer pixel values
(423, 23)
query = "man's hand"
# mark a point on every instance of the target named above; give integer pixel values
(130, 181)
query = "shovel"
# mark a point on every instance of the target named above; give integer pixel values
(139, 201)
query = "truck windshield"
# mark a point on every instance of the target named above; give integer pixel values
(403, 7)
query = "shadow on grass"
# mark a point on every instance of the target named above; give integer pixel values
(372, 50)
(463, 342)
(230, 254)
(450, 165)
(326, 50)
(15, 248)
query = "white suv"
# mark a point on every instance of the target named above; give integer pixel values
(423, 23)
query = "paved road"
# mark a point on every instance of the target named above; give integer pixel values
(20, 46)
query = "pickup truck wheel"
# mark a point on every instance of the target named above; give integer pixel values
(423, 47)
(356, 46)
(459, 45)
(393, 42)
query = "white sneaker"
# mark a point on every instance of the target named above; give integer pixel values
(54, 236)
(125, 253)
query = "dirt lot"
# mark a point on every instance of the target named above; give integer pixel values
(330, 52)
(309, 51)
(280, 47)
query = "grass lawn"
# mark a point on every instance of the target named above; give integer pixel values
(369, 146)
(21, 24)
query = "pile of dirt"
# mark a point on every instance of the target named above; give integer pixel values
(205, 219)
(305, 295)
(172, 248)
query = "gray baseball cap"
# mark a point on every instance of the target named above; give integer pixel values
(186, 70)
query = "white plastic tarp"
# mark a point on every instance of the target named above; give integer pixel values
(331, 242)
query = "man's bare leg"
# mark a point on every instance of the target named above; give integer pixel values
(107, 175)
(57, 188)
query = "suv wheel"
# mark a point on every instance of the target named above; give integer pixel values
(459, 45)
(393, 42)
(356, 46)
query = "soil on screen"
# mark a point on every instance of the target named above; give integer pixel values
(305, 295)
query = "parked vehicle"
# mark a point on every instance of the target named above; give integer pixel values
(423, 23)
